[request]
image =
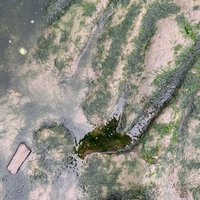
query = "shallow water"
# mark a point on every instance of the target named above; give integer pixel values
(19, 19)
(31, 96)
(20, 23)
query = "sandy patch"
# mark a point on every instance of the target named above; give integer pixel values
(167, 185)
(166, 116)
(187, 7)
(193, 178)
(11, 121)
(41, 193)
(160, 55)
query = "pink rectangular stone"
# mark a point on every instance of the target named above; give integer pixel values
(18, 158)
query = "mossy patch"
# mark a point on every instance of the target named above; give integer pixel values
(100, 180)
(88, 8)
(103, 139)
(97, 102)
(149, 154)
(98, 174)
(55, 9)
(196, 193)
(46, 47)
(163, 129)
(137, 192)
(156, 11)
(187, 29)
(177, 48)
(53, 145)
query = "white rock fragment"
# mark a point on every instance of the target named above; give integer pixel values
(32, 21)
(18, 158)
(9, 41)
(22, 51)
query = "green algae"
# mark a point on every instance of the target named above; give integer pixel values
(103, 139)
(190, 89)
(55, 9)
(135, 60)
(88, 8)
(132, 165)
(149, 155)
(39, 176)
(196, 193)
(163, 77)
(156, 11)
(46, 47)
(163, 129)
(177, 48)
(186, 28)
(98, 174)
(100, 180)
(107, 66)
(53, 145)
(136, 192)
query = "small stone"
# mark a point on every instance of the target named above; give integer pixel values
(22, 51)
(9, 41)
(32, 21)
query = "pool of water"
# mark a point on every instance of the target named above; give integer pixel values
(30, 96)
(20, 21)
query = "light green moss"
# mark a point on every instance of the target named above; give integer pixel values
(88, 8)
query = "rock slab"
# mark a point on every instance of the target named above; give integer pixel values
(18, 158)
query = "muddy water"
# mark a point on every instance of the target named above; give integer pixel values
(20, 23)
(30, 95)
